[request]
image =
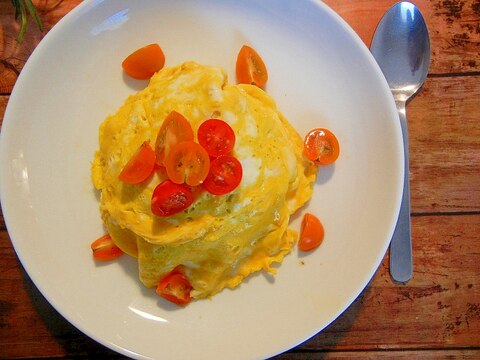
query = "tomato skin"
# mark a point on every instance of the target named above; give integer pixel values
(311, 233)
(216, 136)
(104, 249)
(175, 129)
(140, 166)
(169, 198)
(224, 176)
(250, 68)
(144, 62)
(321, 146)
(187, 162)
(175, 287)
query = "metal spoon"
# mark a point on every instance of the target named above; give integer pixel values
(401, 46)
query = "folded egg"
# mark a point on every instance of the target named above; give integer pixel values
(219, 239)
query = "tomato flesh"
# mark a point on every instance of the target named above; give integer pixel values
(175, 129)
(216, 136)
(169, 198)
(311, 233)
(175, 287)
(187, 162)
(250, 68)
(140, 166)
(144, 62)
(321, 146)
(104, 249)
(224, 176)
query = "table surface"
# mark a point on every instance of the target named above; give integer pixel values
(437, 314)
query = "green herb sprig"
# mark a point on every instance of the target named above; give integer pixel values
(21, 9)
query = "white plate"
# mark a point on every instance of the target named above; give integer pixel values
(321, 74)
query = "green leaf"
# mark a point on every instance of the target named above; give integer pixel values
(21, 7)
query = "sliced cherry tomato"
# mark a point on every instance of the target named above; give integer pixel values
(224, 176)
(250, 67)
(321, 146)
(144, 62)
(216, 136)
(175, 287)
(104, 249)
(174, 130)
(169, 198)
(187, 162)
(311, 233)
(140, 166)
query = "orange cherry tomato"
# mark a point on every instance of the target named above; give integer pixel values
(144, 62)
(250, 67)
(140, 166)
(311, 233)
(104, 249)
(175, 287)
(321, 146)
(187, 162)
(224, 176)
(216, 136)
(174, 130)
(169, 198)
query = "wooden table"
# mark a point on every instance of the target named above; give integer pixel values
(437, 314)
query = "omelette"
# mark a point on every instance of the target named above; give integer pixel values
(220, 239)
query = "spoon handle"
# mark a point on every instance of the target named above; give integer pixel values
(401, 264)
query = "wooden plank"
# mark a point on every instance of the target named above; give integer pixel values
(461, 354)
(444, 145)
(444, 136)
(14, 55)
(438, 309)
(455, 32)
(453, 26)
(3, 106)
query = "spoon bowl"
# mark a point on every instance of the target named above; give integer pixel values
(401, 46)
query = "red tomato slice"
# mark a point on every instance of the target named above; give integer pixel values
(175, 287)
(144, 62)
(216, 136)
(140, 166)
(250, 67)
(321, 146)
(104, 249)
(169, 198)
(224, 176)
(187, 162)
(311, 233)
(174, 130)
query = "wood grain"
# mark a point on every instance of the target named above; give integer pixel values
(13, 55)
(437, 314)
(438, 309)
(453, 27)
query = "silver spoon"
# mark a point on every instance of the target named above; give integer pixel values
(401, 46)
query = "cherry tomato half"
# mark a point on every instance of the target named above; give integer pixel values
(104, 249)
(169, 198)
(216, 136)
(187, 162)
(140, 166)
(144, 62)
(321, 146)
(174, 130)
(250, 67)
(175, 287)
(224, 176)
(311, 233)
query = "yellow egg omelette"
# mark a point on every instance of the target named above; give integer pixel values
(220, 239)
